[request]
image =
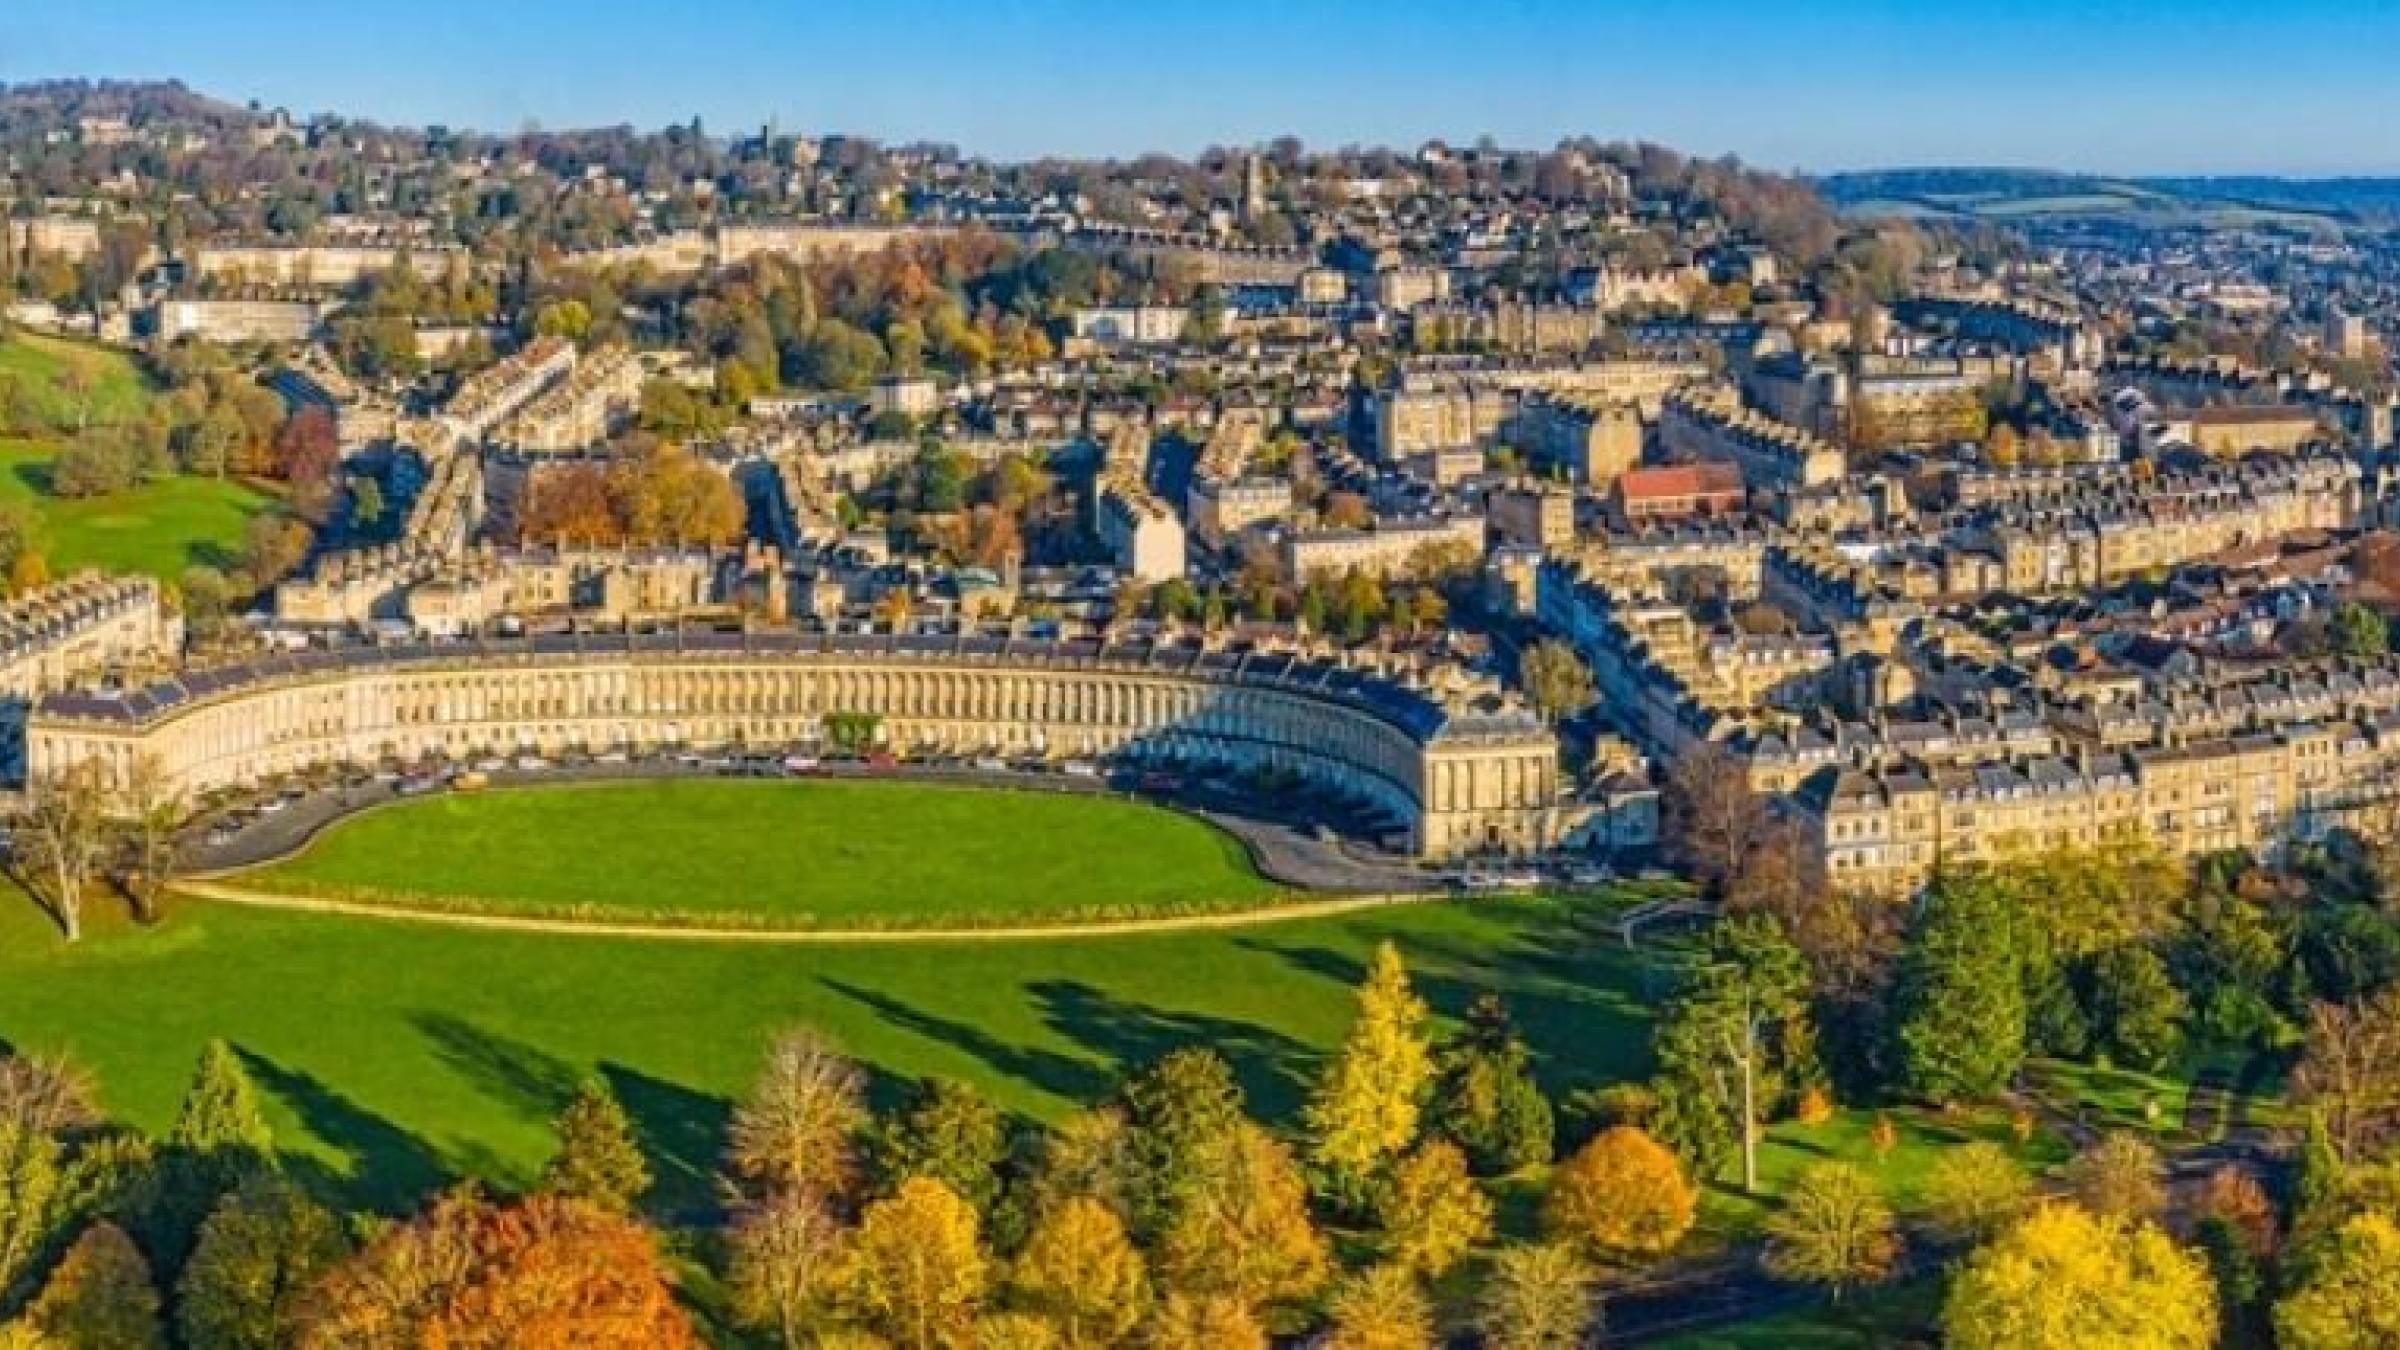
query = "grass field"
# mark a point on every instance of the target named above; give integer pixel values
(36, 365)
(798, 854)
(396, 1055)
(158, 528)
(1877, 1319)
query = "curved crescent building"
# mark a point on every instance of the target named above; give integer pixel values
(1464, 772)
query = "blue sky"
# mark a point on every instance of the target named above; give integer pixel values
(2292, 86)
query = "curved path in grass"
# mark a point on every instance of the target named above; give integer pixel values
(1331, 907)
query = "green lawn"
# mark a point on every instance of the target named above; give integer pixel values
(395, 1055)
(36, 365)
(159, 528)
(796, 854)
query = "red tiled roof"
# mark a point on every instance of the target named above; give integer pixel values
(1679, 480)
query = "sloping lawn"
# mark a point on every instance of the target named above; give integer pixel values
(159, 528)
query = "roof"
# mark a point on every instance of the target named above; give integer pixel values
(1679, 480)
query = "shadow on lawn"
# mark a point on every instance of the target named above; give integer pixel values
(390, 1169)
(1582, 1003)
(1076, 1080)
(682, 1133)
(536, 1082)
(1271, 1067)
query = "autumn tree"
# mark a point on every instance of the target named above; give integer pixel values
(1431, 1211)
(219, 1142)
(1834, 1229)
(1366, 1108)
(950, 1132)
(99, 1298)
(1247, 1233)
(1623, 1193)
(1555, 678)
(786, 1254)
(1080, 1273)
(1537, 1298)
(2119, 1177)
(308, 446)
(1715, 821)
(1089, 1156)
(1975, 1189)
(1183, 1116)
(545, 1272)
(668, 496)
(63, 838)
(2345, 1294)
(598, 1160)
(2063, 1279)
(799, 1127)
(2350, 1066)
(1203, 1322)
(1380, 1308)
(917, 1270)
(260, 1251)
(1485, 1097)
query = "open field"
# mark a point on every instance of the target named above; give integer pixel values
(158, 528)
(814, 854)
(35, 365)
(395, 1055)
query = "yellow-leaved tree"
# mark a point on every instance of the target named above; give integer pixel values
(1623, 1193)
(2062, 1278)
(1366, 1108)
(2348, 1293)
(917, 1267)
(1079, 1273)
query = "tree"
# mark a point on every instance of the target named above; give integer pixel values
(1715, 821)
(1975, 1189)
(62, 837)
(153, 813)
(1431, 1211)
(2136, 1010)
(1366, 1108)
(1742, 1016)
(1247, 1234)
(2061, 1279)
(260, 1251)
(786, 1252)
(951, 1133)
(2350, 1066)
(2359, 632)
(2119, 1177)
(1961, 997)
(799, 1126)
(219, 1142)
(1203, 1322)
(598, 1160)
(1485, 1095)
(1621, 1194)
(1834, 1229)
(1381, 1308)
(308, 447)
(1183, 1115)
(100, 1298)
(366, 504)
(2347, 1292)
(1555, 678)
(1537, 1298)
(220, 1114)
(546, 1271)
(917, 1269)
(1080, 1273)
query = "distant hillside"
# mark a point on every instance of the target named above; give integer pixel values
(2018, 195)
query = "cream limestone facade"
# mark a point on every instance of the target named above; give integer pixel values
(1461, 770)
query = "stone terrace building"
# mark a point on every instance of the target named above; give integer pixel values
(1462, 768)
